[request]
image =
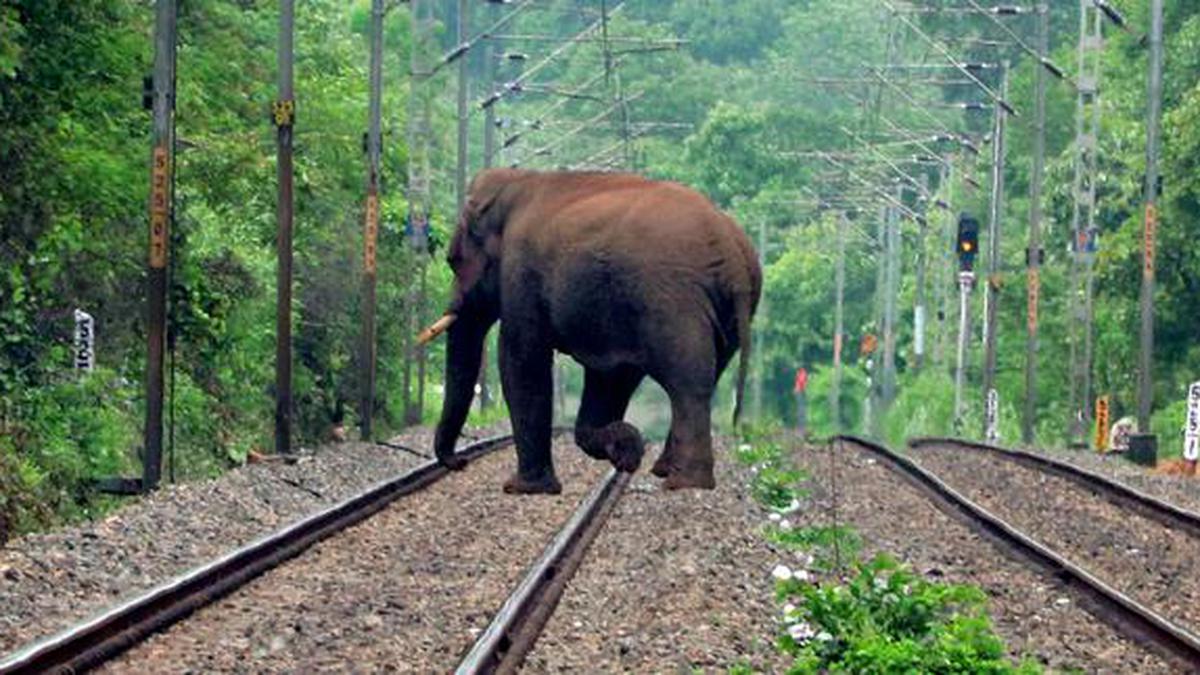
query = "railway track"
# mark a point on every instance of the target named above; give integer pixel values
(127, 638)
(114, 632)
(1107, 598)
(1119, 494)
(511, 635)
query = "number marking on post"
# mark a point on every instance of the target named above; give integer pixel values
(1191, 433)
(159, 206)
(1102, 412)
(371, 233)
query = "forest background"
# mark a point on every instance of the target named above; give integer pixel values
(736, 111)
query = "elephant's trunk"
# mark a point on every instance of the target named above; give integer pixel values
(464, 353)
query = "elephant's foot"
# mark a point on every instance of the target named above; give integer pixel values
(619, 442)
(625, 447)
(693, 476)
(544, 484)
(452, 462)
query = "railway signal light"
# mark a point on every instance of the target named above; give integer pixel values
(968, 240)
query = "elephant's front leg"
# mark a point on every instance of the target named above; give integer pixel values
(599, 429)
(525, 372)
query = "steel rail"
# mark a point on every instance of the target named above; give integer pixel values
(115, 630)
(1125, 614)
(1122, 495)
(512, 633)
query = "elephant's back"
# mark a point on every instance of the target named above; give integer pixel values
(655, 252)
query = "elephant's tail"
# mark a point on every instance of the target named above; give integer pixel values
(744, 311)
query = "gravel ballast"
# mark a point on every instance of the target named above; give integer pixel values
(1151, 562)
(1031, 611)
(408, 589)
(675, 582)
(49, 581)
(1179, 490)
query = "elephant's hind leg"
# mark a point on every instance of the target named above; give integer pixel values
(599, 429)
(688, 459)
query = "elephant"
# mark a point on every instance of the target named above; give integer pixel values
(631, 277)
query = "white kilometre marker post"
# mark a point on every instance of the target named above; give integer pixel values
(1191, 433)
(85, 341)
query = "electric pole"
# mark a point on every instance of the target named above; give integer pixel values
(489, 149)
(371, 218)
(1034, 253)
(919, 294)
(762, 318)
(461, 171)
(1085, 239)
(1150, 220)
(945, 274)
(838, 312)
(285, 116)
(890, 301)
(995, 215)
(419, 199)
(874, 399)
(161, 210)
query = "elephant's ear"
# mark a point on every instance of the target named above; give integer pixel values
(477, 215)
(485, 212)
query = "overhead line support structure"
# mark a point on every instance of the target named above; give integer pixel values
(1085, 239)
(995, 215)
(371, 219)
(161, 214)
(1033, 253)
(285, 115)
(1150, 219)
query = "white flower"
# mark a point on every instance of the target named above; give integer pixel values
(782, 572)
(792, 507)
(801, 575)
(785, 524)
(879, 583)
(789, 609)
(774, 517)
(801, 632)
(744, 447)
(824, 636)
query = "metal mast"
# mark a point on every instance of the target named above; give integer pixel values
(161, 163)
(285, 115)
(371, 217)
(1034, 252)
(1150, 221)
(1084, 238)
(419, 195)
(995, 215)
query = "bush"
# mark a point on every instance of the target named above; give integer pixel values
(885, 619)
(61, 436)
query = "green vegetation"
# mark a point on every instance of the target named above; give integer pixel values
(733, 112)
(845, 615)
(885, 619)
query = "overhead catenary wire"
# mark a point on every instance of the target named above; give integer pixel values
(548, 59)
(1041, 58)
(945, 53)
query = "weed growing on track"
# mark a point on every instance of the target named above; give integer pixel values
(885, 619)
(874, 616)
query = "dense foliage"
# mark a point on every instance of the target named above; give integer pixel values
(734, 111)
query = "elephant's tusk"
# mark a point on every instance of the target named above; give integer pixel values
(436, 329)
